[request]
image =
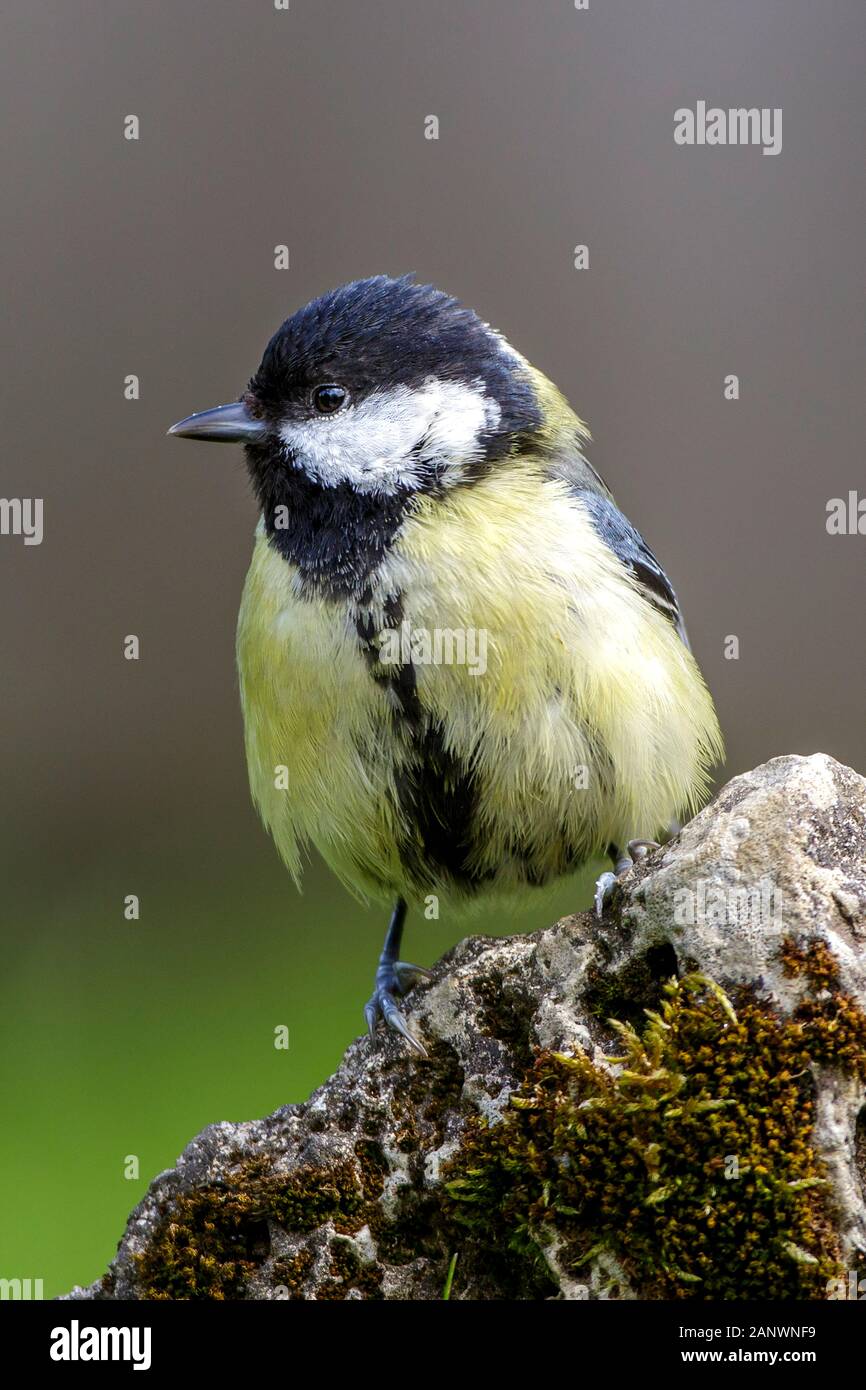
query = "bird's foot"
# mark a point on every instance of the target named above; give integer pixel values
(607, 882)
(394, 978)
(604, 886)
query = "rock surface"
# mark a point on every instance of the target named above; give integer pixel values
(396, 1165)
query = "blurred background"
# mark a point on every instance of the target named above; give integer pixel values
(155, 257)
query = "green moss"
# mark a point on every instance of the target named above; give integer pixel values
(507, 1013)
(215, 1237)
(425, 1096)
(833, 1020)
(692, 1162)
(811, 959)
(349, 1273)
(627, 993)
(291, 1274)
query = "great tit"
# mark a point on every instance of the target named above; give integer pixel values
(463, 672)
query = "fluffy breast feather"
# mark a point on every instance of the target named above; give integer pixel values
(585, 680)
(313, 725)
(590, 724)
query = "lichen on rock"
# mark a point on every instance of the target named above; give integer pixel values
(667, 1104)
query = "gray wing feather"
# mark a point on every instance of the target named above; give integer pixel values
(632, 550)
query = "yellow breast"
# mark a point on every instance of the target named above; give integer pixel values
(311, 717)
(584, 720)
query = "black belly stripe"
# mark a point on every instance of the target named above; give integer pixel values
(436, 793)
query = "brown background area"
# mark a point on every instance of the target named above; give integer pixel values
(307, 128)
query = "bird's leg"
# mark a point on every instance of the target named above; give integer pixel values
(636, 849)
(394, 977)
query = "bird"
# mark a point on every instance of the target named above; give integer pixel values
(463, 672)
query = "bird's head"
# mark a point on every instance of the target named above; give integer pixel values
(369, 397)
(383, 386)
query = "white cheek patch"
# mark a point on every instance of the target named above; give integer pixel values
(391, 439)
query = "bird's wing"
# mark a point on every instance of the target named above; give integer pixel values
(632, 550)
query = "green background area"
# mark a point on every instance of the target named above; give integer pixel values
(126, 1038)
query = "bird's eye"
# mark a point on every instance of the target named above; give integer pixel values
(328, 399)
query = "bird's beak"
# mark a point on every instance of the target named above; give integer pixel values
(225, 424)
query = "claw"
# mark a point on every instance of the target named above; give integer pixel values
(395, 1019)
(382, 1004)
(394, 977)
(637, 850)
(603, 891)
(407, 975)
